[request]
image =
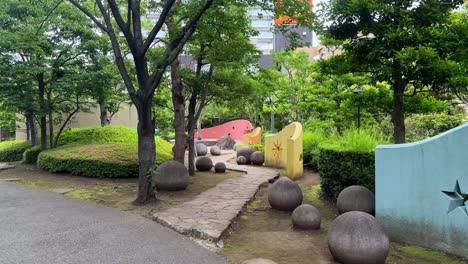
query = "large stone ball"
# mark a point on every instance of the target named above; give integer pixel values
(215, 151)
(204, 164)
(171, 176)
(285, 194)
(257, 158)
(356, 238)
(241, 160)
(201, 149)
(220, 167)
(306, 217)
(356, 198)
(246, 152)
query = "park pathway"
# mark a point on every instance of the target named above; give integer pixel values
(42, 227)
(209, 214)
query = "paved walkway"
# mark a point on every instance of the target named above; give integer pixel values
(209, 214)
(41, 228)
(6, 166)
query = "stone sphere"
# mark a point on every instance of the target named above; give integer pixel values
(234, 147)
(201, 149)
(355, 237)
(215, 151)
(306, 217)
(285, 194)
(204, 164)
(220, 167)
(257, 158)
(241, 160)
(246, 152)
(171, 176)
(356, 198)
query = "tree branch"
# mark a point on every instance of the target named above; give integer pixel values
(88, 14)
(119, 60)
(157, 27)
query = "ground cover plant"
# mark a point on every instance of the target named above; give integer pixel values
(12, 150)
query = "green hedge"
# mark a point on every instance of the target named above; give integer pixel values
(115, 160)
(31, 154)
(108, 151)
(13, 150)
(98, 135)
(340, 169)
(348, 159)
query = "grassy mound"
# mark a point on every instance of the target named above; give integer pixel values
(98, 135)
(13, 150)
(100, 152)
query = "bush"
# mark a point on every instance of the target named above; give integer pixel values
(116, 160)
(98, 135)
(255, 147)
(348, 160)
(340, 169)
(31, 154)
(422, 126)
(310, 143)
(108, 151)
(13, 150)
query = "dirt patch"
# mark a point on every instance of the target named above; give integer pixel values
(262, 232)
(118, 193)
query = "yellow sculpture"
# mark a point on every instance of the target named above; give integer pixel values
(284, 150)
(254, 137)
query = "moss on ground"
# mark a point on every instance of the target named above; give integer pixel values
(401, 253)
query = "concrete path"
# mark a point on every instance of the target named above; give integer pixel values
(46, 228)
(209, 214)
(6, 166)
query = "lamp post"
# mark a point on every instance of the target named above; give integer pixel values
(357, 92)
(270, 102)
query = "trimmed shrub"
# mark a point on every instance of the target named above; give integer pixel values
(255, 147)
(340, 169)
(112, 134)
(13, 150)
(116, 160)
(31, 154)
(349, 160)
(99, 135)
(108, 160)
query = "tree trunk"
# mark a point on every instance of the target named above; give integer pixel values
(31, 128)
(28, 135)
(51, 123)
(104, 116)
(178, 101)
(146, 150)
(191, 145)
(398, 114)
(199, 135)
(42, 111)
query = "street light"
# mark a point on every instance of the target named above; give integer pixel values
(357, 92)
(269, 101)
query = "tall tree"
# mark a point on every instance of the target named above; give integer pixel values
(122, 22)
(395, 41)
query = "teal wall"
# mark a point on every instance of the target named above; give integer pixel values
(410, 181)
